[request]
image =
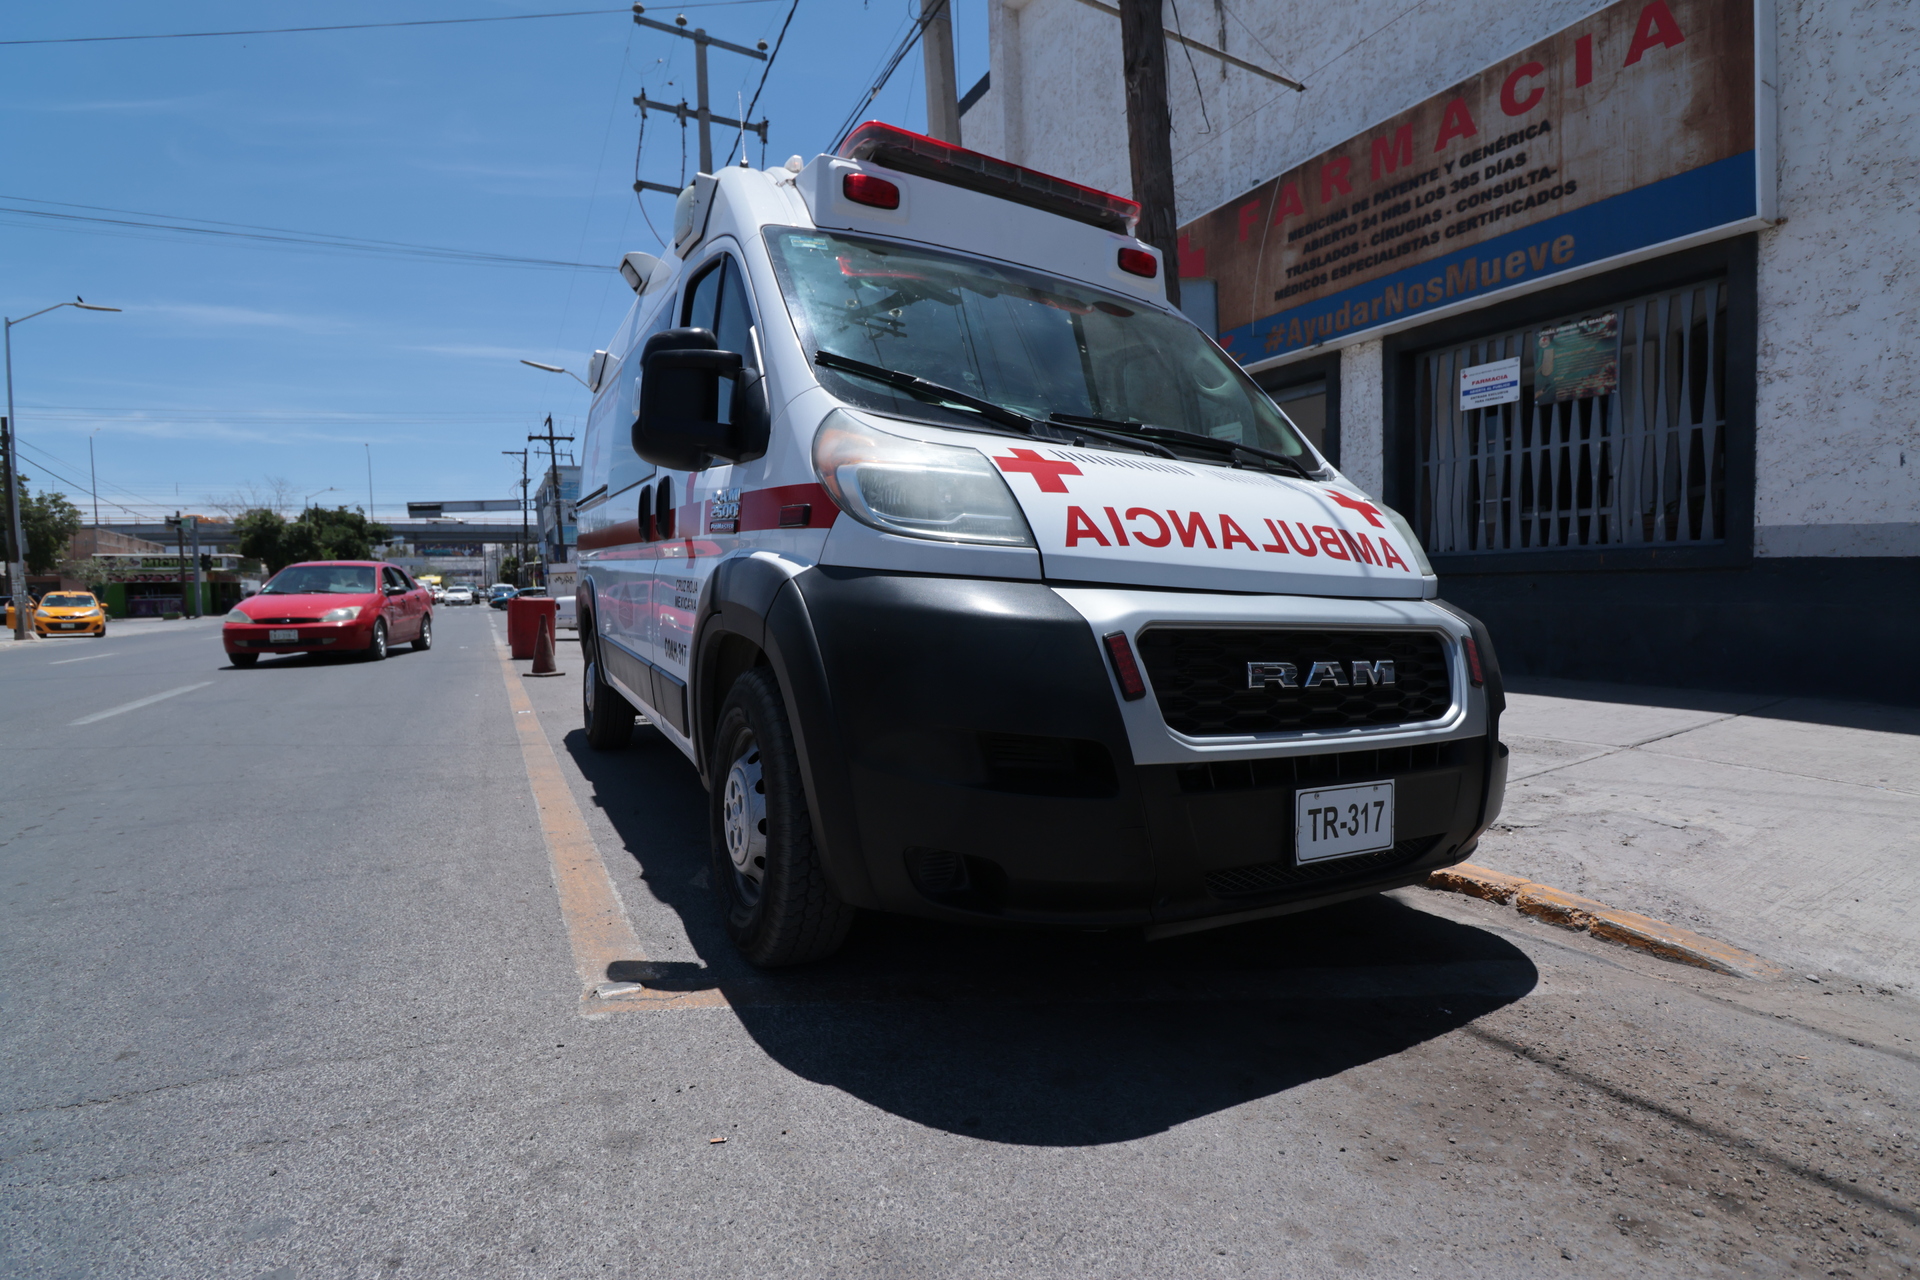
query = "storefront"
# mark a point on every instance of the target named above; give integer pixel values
(1616, 307)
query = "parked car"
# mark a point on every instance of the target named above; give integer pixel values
(331, 606)
(67, 613)
(459, 595)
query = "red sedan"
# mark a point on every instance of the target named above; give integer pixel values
(331, 606)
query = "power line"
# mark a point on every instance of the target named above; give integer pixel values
(893, 63)
(302, 240)
(766, 71)
(365, 26)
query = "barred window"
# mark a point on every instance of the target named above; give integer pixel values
(1644, 465)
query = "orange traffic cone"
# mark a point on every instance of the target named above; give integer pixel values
(543, 664)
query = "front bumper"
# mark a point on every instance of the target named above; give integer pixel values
(968, 757)
(50, 627)
(323, 637)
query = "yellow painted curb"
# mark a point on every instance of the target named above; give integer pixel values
(1478, 882)
(1627, 928)
(1671, 942)
(1568, 910)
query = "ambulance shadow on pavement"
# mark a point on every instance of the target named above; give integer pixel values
(1058, 1039)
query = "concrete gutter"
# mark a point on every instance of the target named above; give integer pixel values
(1597, 919)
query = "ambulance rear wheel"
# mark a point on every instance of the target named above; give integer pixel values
(607, 715)
(779, 907)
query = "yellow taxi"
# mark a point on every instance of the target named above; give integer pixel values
(67, 613)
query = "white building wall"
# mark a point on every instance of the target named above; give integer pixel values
(1838, 451)
(1839, 281)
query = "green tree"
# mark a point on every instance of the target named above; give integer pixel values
(335, 533)
(263, 537)
(510, 569)
(50, 522)
(320, 533)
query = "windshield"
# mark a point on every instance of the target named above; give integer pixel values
(1033, 343)
(66, 600)
(321, 579)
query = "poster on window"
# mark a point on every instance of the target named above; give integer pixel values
(1577, 360)
(1482, 386)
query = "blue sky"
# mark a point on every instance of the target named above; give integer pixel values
(233, 364)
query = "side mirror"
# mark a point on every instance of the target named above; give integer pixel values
(679, 425)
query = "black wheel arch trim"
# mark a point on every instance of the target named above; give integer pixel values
(752, 598)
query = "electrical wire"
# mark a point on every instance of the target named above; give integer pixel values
(893, 63)
(282, 237)
(1191, 69)
(764, 73)
(367, 26)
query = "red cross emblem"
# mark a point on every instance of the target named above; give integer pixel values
(1045, 471)
(1367, 509)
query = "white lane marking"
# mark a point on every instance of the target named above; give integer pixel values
(89, 658)
(143, 702)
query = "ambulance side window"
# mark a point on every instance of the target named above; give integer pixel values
(718, 303)
(703, 300)
(620, 402)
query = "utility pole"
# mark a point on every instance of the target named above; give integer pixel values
(936, 49)
(702, 110)
(521, 558)
(553, 478)
(93, 474)
(1143, 52)
(17, 563)
(16, 553)
(180, 551)
(199, 581)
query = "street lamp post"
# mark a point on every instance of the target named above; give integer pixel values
(316, 493)
(17, 561)
(554, 368)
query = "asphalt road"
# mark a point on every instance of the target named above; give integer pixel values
(290, 993)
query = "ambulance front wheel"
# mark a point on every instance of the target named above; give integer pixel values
(779, 907)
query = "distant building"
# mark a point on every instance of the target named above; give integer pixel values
(554, 502)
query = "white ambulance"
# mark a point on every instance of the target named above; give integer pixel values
(979, 584)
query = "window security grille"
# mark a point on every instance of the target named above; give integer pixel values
(1643, 466)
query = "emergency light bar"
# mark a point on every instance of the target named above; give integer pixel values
(925, 157)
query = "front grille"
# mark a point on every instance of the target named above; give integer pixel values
(1271, 877)
(1325, 767)
(1200, 679)
(281, 622)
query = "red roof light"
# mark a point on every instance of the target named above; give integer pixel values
(925, 157)
(1139, 262)
(864, 188)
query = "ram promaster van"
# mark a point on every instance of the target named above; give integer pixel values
(979, 584)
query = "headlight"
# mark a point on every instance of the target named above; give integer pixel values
(236, 618)
(937, 491)
(346, 613)
(1419, 553)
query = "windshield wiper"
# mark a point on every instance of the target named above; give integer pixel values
(1190, 437)
(924, 389)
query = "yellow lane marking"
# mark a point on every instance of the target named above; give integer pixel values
(597, 924)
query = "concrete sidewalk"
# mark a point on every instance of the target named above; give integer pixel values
(1788, 826)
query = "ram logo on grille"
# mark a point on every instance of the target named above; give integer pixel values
(1287, 675)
